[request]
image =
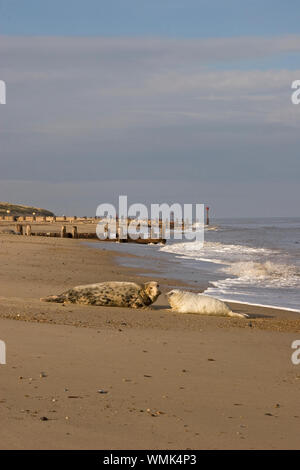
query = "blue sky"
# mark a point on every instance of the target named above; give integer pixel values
(169, 101)
(171, 18)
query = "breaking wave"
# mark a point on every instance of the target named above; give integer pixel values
(247, 274)
(268, 272)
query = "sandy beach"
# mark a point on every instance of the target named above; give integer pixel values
(80, 377)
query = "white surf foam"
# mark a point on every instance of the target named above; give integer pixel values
(251, 274)
(214, 251)
(269, 273)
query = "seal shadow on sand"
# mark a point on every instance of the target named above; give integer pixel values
(252, 316)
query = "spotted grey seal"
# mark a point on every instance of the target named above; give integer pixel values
(117, 294)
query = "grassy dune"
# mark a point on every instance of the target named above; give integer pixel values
(18, 209)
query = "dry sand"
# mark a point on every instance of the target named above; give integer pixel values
(170, 381)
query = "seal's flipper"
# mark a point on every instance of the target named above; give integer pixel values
(238, 315)
(54, 298)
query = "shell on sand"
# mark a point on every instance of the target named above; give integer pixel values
(116, 294)
(190, 302)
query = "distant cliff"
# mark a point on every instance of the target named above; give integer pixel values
(17, 209)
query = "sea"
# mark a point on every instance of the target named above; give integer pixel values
(253, 261)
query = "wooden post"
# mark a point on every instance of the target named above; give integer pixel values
(28, 230)
(63, 231)
(153, 232)
(19, 229)
(120, 232)
(74, 232)
(207, 215)
(163, 230)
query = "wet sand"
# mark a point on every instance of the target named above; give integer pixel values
(169, 380)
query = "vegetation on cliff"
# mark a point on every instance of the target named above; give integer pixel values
(18, 209)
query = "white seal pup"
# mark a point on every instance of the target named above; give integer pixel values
(116, 294)
(190, 302)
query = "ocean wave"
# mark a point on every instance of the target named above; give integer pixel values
(244, 265)
(268, 275)
(266, 270)
(214, 251)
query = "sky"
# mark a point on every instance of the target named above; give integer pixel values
(165, 101)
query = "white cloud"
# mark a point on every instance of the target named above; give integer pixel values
(67, 85)
(107, 108)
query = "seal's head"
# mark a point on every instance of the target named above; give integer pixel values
(171, 293)
(152, 290)
(174, 296)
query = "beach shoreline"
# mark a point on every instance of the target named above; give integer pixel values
(170, 380)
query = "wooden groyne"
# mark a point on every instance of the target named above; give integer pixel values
(72, 227)
(82, 220)
(85, 227)
(64, 233)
